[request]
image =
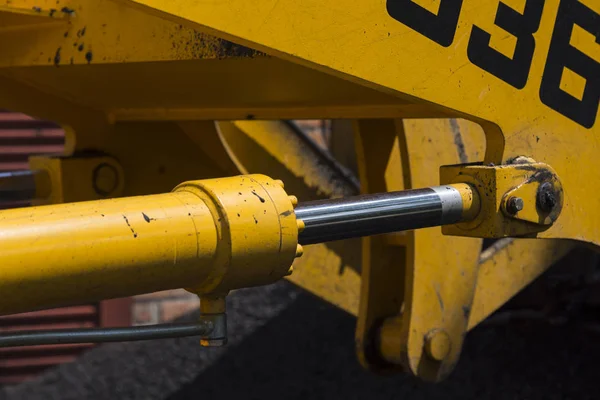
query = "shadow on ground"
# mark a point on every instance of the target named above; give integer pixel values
(286, 344)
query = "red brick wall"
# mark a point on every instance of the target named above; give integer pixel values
(164, 306)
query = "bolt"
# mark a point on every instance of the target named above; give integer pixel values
(437, 345)
(299, 251)
(514, 205)
(106, 179)
(293, 200)
(546, 197)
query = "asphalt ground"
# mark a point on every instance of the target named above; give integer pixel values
(287, 344)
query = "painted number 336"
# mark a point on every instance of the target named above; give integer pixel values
(515, 71)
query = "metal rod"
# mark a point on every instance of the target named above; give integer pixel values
(104, 335)
(327, 220)
(17, 186)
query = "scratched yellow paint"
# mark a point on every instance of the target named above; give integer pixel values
(357, 39)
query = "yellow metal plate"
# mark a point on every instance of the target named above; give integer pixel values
(516, 66)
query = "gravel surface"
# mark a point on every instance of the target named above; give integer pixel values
(286, 344)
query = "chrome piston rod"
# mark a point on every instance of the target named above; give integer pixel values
(365, 215)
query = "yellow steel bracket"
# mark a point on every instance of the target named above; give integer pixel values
(518, 199)
(63, 180)
(415, 302)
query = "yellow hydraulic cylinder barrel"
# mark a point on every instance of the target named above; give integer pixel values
(208, 236)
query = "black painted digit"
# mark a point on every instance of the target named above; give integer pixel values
(562, 55)
(515, 70)
(440, 28)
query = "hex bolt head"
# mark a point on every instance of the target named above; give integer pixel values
(514, 205)
(547, 198)
(437, 345)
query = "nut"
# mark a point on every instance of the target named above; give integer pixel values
(547, 198)
(514, 205)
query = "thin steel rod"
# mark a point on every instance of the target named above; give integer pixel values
(104, 335)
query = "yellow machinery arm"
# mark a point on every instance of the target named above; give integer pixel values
(501, 102)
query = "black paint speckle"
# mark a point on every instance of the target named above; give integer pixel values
(57, 57)
(88, 56)
(68, 10)
(80, 48)
(257, 195)
(147, 218)
(466, 312)
(135, 235)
